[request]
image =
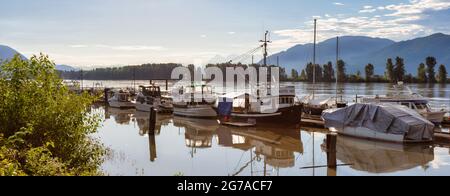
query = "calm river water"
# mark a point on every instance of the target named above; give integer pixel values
(190, 147)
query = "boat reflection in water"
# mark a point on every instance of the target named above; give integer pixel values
(378, 157)
(198, 132)
(221, 150)
(121, 116)
(276, 148)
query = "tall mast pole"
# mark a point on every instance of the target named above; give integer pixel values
(265, 41)
(314, 59)
(337, 60)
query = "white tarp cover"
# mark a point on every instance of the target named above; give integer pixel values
(384, 118)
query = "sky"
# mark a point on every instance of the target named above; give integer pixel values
(95, 33)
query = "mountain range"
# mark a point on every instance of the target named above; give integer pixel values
(7, 53)
(358, 51)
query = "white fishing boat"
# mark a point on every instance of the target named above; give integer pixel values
(244, 107)
(386, 122)
(121, 99)
(195, 101)
(403, 95)
(150, 96)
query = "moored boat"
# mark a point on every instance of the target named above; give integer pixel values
(195, 101)
(403, 95)
(121, 99)
(386, 122)
(150, 96)
(244, 107)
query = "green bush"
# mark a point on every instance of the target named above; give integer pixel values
(47, 126)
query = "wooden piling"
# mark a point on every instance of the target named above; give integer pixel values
(167, 85)
(151, 134)
(331, 150)
(106, 91)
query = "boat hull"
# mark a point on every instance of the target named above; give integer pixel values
(199, 111)
(365, 133)
(290, 115)
(147, 107)
(121, 105)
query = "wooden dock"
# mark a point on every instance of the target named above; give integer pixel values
(312, 120)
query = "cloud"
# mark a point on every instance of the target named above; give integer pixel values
(368, 9)
(203, 36)
(123, 47)
(231, 33)
(78, 46)
(399, 22)
(138, 48)
(338, 4)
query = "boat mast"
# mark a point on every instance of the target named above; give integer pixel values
(314, 59)
(337, 60)
(265, 42)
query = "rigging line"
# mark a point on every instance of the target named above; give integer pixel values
(240, 160)
(245, 166)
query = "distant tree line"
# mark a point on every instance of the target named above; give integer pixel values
(395, 72)
(140, 72)
(149, 72)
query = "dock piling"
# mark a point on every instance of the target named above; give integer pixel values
(331, 153)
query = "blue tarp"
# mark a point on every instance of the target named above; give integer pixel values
(225, 108)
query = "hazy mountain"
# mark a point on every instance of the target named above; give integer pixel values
(358, 51)
(351, 47)
(66, 68)
(7, 53)
(413, 51)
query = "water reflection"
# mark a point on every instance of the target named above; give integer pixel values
(379, 157)
(203, 147)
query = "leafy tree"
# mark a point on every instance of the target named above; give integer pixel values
(328, 72)
(303, 76)
(390, 75)
(442, 74)
(422, 73)
(369, 72)
(399, 69)
(44, 128)
(294, 74)
(431, 63)
(341, 74)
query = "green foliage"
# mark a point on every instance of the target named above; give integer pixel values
(138, 72)
(399, 70)
(294, 74)
(328, 72)
(442, 74)
(303, 76)
(47, 126)
(369, 72)
(390, 74)
(431, 63)
(422, 73)
(341, 72)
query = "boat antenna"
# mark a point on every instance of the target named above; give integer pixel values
(314, 59)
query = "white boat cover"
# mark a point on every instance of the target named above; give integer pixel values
(383, 118)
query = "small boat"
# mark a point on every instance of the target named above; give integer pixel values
(150, 96)
(121, 99)
(245, 108)
(411, 100)
(312, 105)
(386, 122)
(195, 101)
